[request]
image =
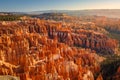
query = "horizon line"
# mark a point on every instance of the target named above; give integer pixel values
(55, 10)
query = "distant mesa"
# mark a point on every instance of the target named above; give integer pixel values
(111, 13)
(51, 15)
(54, 14)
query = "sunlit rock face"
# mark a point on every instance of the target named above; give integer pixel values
(7, 77)
(89, 39)
(54, 30)
(43, 50)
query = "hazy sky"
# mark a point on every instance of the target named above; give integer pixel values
(36, 5)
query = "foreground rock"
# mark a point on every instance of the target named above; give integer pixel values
(9, 78)
(44, 50)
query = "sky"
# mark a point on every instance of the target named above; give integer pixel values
(38, 5)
